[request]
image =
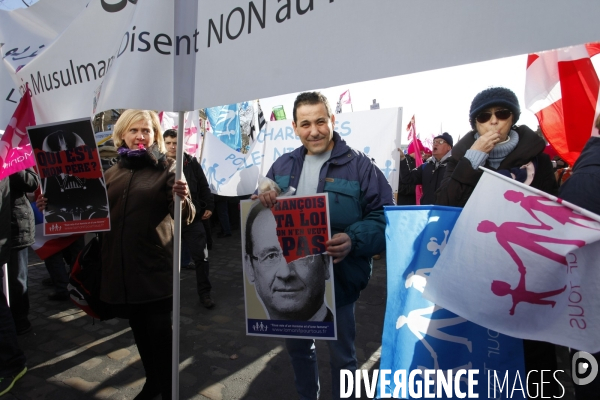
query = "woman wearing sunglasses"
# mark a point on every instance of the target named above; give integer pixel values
(514, 151)
(498, 144)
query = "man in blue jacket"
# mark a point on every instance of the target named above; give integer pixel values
(357, 192)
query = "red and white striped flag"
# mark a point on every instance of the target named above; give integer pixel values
(412, 138)
(562, 90)
(45, 246)
(15, 150)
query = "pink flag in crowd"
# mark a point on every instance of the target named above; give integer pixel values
(345, 97)
(191, 131)
(418, 147)
(562, 90)
(523, 263)
(15, 150)
(273, 118)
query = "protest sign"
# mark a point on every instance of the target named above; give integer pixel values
(523, 263)
(190, 50)
(72, 180)
(103, 137)
(421, 335)
(288, 278)
(358, 129)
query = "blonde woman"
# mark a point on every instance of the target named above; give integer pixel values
(137, 253)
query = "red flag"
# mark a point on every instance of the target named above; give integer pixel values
(562, 90)
(45, 246)
(273, 118)
(417, 145)
(15, 150)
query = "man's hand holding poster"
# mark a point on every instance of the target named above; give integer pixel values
(72, 179)
(288, 277)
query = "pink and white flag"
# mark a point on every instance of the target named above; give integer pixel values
(345, 97)
(15, 150)
(562, 90)
(191, 132)
(418, 147)
(522, 263)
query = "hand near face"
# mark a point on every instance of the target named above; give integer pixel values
(180, 188)
(339, 246)
(268, 199)
(486, 142)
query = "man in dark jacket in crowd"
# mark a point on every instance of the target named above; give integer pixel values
(194, 234)
(22, 224)
(583, 189)
(431, 173)
(12, 358)
(357, 192)
(406, 192)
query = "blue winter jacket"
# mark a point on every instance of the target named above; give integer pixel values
(357, 192)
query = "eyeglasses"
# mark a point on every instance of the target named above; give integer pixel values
(439, 141)
(502, 115)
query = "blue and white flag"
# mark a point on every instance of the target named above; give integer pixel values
(220, 163)
(225, 124)
(418, 334)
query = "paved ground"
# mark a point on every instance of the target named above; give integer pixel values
(71, 357)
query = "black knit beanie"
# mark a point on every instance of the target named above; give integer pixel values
(493, 97)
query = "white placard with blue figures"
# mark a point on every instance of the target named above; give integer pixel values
(417, 334)
(225, 124)
(375, 132)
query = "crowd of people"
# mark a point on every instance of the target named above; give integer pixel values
(142, 191)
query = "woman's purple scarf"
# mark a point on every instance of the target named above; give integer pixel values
(124, 151)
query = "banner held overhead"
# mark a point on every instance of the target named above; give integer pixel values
(202, 62)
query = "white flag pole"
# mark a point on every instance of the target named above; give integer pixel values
(5, 283)
(185, 14)
(203, 140)
(176, 263)
(264, 145)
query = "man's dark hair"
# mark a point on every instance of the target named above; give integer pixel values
(170, 133)
(254, 211)
(311, 98)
